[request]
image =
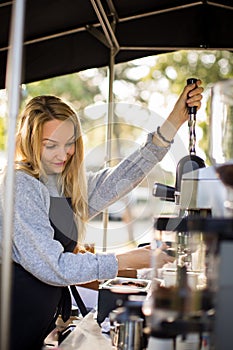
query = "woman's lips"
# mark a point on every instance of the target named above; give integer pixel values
(59, 164)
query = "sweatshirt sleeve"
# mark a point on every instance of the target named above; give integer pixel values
(110, 184)
(35, 249)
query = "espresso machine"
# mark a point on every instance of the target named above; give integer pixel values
(192, 308)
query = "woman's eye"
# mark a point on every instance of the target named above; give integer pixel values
(50, 146)
(70, 144)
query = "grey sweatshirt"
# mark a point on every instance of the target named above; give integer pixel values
(33, 245)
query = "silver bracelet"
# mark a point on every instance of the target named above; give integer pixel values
(162, 137)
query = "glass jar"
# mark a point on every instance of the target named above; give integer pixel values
(221, 122)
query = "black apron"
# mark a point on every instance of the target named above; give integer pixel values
(36, 305)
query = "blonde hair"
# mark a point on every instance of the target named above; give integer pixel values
(37, 112)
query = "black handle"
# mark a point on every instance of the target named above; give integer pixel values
(164, 192)
(192, 110)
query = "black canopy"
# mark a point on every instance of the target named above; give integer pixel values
(66, 36)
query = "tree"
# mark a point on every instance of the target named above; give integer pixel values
(166, 75)
(153, 82)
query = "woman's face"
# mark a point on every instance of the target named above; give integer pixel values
(58, 145)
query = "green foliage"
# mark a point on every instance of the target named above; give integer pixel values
(209, 66)
(70, 87)
(173, 69)
(176, 67)
(136, 82)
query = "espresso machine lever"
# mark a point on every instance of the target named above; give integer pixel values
(185, 165)
(192, 161)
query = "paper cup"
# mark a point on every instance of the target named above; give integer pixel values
(169, 278)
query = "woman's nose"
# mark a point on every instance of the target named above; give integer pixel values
(62, 154)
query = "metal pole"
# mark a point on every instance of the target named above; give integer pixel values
(110, 41)
(109, 134)
(13, 80)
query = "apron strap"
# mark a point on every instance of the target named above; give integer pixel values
(65, 305)
(79, 301)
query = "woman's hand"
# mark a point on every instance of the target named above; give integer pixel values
(137, 258)
(140, 258)
(191, 96)
(162, 258)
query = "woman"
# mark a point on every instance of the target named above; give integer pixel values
(54, 197)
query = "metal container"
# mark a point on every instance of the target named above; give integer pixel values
(126, 329)
(125, 285)
(116, 292)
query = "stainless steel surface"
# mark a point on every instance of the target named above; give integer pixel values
(202, 189)
(127, 334)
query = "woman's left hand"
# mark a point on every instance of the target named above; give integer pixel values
(140, 258)
(190, 97)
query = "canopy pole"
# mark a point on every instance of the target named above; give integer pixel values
(109, 40)
(13, 81)
(109, 133)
